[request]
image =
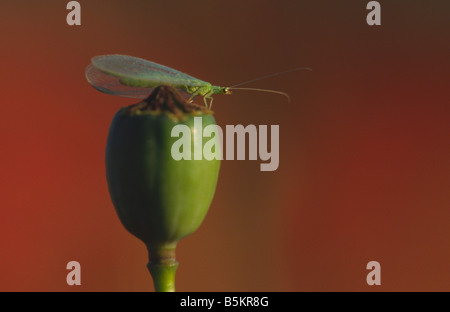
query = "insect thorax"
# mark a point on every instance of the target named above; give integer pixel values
(198, 90)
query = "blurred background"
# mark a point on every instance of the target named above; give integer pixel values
(364, 169)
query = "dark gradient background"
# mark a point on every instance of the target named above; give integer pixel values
(364, 145)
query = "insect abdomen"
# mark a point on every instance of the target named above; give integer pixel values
(153, 82)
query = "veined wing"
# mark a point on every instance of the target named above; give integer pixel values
(137, 72)
(111, 85)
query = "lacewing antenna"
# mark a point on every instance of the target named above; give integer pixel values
(265, 77)
(263, 90)
(272, 75)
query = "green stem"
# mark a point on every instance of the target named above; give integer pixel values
(162, 267)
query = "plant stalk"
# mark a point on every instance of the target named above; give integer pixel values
(162, 267)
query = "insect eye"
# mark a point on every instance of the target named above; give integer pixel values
(225, 90)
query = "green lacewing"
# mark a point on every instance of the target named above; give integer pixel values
(130, 76)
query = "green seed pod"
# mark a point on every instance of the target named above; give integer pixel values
(157, 198)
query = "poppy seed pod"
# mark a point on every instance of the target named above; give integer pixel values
(157, 198)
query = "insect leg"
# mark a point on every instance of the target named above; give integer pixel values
(204, 100)
(191, 99)
(210, 100)
(193, 91)
(206, 97)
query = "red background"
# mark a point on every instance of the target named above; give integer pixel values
(364, 145)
